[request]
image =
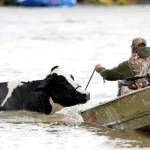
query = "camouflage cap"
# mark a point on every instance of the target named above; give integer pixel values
(137, 41)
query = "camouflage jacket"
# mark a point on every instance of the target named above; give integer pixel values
(137, 65)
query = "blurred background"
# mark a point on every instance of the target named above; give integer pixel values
(97, 2)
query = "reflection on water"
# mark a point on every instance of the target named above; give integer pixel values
(127, 139)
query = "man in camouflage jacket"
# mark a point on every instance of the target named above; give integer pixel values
(138, 65)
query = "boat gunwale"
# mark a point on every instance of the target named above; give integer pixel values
(131, 93)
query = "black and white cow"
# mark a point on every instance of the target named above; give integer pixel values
(51, 94)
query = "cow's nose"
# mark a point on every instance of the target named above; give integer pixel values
(88, 96)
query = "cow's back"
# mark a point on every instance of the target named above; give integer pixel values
(13, 95)
(3, 91)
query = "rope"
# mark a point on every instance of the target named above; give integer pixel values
(90, 79)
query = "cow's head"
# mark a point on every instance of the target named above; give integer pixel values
(64, 90)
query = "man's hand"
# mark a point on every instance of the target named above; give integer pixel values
(97, 67)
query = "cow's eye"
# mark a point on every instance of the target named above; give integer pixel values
(61, 79)
(72, 77)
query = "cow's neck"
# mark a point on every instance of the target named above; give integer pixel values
(55, 106)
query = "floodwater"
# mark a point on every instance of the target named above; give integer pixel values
(34, 40)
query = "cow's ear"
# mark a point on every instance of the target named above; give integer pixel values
(45, 85)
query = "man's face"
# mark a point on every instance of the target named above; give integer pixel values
(133, 50)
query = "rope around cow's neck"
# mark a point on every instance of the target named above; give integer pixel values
(90, 79)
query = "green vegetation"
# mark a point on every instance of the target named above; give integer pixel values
(8, 2)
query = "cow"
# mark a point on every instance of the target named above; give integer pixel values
(46, 96)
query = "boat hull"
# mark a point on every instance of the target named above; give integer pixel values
(128, 112)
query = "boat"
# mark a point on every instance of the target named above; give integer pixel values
(46, 3)
(128, 112)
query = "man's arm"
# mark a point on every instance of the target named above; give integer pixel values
(121, 72)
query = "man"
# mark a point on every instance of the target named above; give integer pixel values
(138, 65)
